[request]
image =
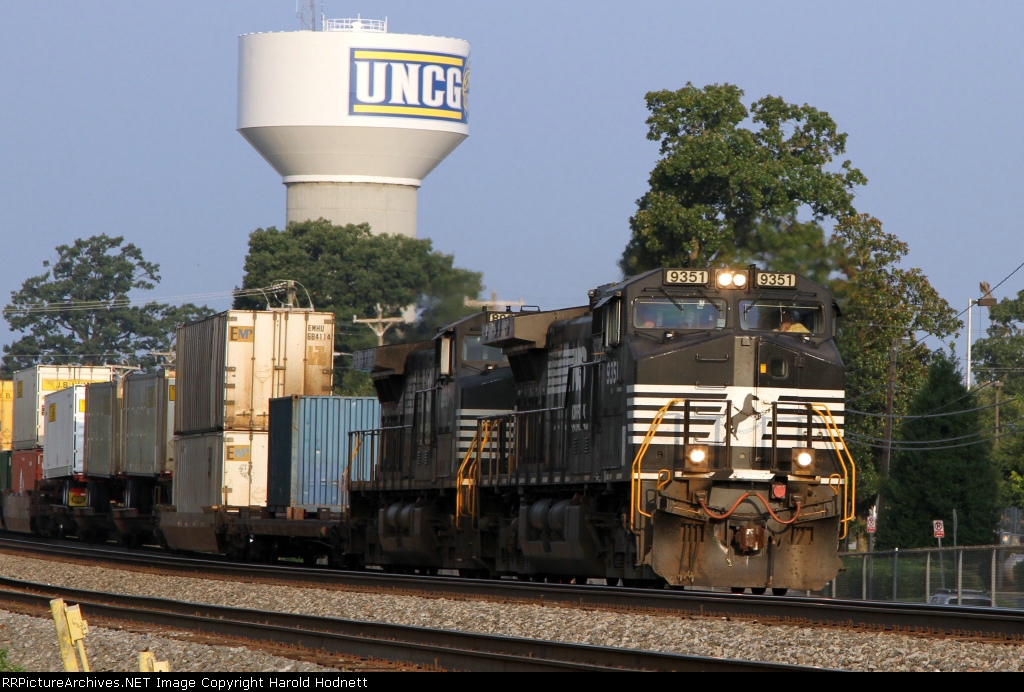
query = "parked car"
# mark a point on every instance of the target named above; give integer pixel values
(970, 597)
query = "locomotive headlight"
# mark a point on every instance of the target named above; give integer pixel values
(697, 458)
(727, 278)
(803, 461)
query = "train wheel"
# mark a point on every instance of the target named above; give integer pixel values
(779, 592)
(611, 581)
(758, 591)
(737, 589)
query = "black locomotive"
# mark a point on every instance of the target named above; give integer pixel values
(684, 427)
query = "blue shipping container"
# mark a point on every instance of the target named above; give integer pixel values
(309, 448)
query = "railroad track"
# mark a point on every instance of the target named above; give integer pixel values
(332, 637)
(981, 623)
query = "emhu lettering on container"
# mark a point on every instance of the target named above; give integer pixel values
(239, 453)
(409, 84)
(243, 333)
(317, 332)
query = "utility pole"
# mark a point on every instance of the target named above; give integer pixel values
(493, 303)
(380, 324)
(998, 385)
(889, 402)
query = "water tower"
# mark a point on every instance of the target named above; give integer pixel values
(352, 117)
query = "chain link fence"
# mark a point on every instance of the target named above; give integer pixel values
(914, 576)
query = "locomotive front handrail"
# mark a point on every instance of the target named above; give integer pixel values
(849, 477)
(635, 481)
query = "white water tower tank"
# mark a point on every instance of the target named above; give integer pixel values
(352, 117)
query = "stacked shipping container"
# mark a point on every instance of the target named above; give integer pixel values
(310, 449)
(64, 453)
(33, 384)
(230, 366)
(148, 439)
(6, 422)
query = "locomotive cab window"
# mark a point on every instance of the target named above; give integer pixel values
(793, 317)
(679, 313)
(473, 350)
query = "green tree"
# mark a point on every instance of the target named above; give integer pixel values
(349, 271)
(717, 182)
(79, 311)
(998, 362)
(942, 465)
(886, 309)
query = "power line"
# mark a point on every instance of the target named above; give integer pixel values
(995, 287)
(933, 415)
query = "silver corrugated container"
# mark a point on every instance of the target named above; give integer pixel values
(220, 469)
(102, 455)
(32, 384)
(65, 432)
(309, 448)
(230, 365)
(148, 423)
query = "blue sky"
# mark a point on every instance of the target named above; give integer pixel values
(119, 118)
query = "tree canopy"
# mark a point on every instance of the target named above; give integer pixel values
(718, 182)
(350, 271)
(998, 363)
(886, 311)
(939, 467)
(80, 312)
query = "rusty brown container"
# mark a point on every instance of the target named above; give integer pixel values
(26, 469)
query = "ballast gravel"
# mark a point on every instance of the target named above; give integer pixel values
(32, 644)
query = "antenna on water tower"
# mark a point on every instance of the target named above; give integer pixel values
(305, 10)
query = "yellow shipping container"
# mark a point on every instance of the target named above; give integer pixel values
(6, 414)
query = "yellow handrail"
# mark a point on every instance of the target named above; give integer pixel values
(467, 476)
(635, 488)
(850, 477)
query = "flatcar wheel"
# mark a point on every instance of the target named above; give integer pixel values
(779, 592)
(737, 589)
(758, 591)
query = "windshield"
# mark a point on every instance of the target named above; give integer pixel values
(473, 350)
(782, 316)
(679, 313)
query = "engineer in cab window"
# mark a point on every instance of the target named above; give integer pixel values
(791, 324)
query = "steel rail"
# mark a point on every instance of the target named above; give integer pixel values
(445, 649)
(999, 623)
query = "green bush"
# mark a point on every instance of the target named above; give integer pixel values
(6, 666)
(1018, 575)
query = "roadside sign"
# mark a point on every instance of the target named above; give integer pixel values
(937, 529)
(871, 523)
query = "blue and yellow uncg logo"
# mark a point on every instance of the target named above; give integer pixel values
(409, 84)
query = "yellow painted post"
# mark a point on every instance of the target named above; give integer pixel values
(77, 629)
(67, 648)
(149, 664)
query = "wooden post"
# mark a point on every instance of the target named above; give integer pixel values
(71, 631)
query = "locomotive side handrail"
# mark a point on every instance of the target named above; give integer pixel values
(849, 477)
(468, 476)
